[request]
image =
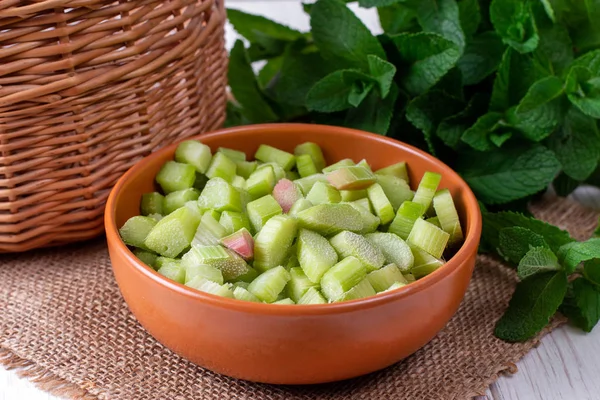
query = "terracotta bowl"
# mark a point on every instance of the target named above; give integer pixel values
(293, 344)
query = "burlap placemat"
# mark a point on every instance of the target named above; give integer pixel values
(65, 326)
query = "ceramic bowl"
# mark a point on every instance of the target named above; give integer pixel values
(294, 344)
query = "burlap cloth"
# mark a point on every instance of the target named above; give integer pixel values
(65, 326)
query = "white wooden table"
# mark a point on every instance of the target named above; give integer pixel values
(566, 365)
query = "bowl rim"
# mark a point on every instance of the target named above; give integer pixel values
(469, 246)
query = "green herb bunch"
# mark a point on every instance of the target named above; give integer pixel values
(507, 92)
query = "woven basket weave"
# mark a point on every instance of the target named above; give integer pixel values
(88, 87)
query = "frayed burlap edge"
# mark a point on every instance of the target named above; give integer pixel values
(42, 378)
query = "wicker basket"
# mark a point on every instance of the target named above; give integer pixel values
(88, 87)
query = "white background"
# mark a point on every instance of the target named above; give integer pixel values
(565, 366)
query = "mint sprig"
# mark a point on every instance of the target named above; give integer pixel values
(506, 92)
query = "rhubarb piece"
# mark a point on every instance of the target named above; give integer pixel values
(233, 155)
(394, 249)
(286, 301)
(273, 242)
(436, 222)
(245, 168)
(299, 284)
(162, 261)
(353, 195)
(405, 218)
(152, 203)
(340, 164)
(428, 237)
(286, 194)
(241, 242)
(174, 176)
(306, 184)
(312, 296)
(266, 153)
(221, 196)
(382, 206)
(427, 188)
(241, 284)
(323, 193)
(173, 270)
(300, 205)
(315, 254)
(448, 217)
(268, 285)
(207, 286)
(177, 199)
(351, 178)
(361, 290)
(194, 153)
(213, 213)
(306, 165)
(238, 182)
(209, 231)
(329, 219)
(292, 175)
(261, 210)
(370, 222)
(396, 190)
(397, 170)
(243, 294)
(342, 277)
(228, 262)
(193, 206)
(365, 164)
(136, 229)
(146, 257)
(279, 172)
(158, 217)
(221, 167)
(394, 286)
(314, 151)
(248, 276)
(174, 233)
(348, 244)
(261, 182)
(364, 203)
(425, 263)
(410, 278)
(292, 259)
(234, 221)
(385, 277)
(206, 271)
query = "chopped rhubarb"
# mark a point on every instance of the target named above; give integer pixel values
(241, 242)
(286, 193)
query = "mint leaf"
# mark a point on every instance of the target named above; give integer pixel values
(442, 17)
(338, 91)
(501, 176)
(339, 34)
(268, 71)
(376, 3)
(481, 57)
(556, 46)
(514, 22)
(425, 112)
(397, 18)
(499, 138)
(374, 114)
(582, 304)
(382, 72)
(515, 241)
(549, 10)
(516, 73)
(591, 271)
(583, 84)
(539, 112)
(470, 16)
(299, 73)
(244, 87)
(534, 302)
(494, 223)
(576, 145)
(536, 261)
(478, 135)
(564, 185)
(426, 58)
(572, 254)
(452, 128)
(255, 27)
